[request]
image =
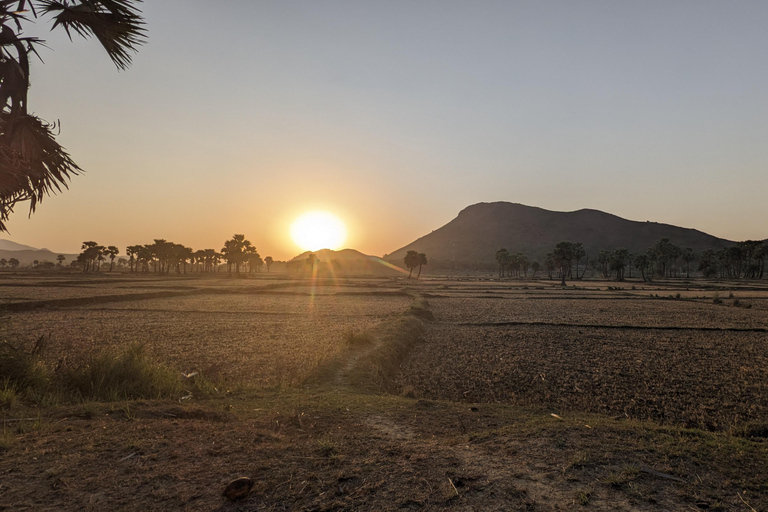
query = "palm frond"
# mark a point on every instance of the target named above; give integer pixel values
(32, 163)
(117, 24)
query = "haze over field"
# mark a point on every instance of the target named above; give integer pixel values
(239, 117)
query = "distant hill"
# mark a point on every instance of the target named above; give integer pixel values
(482, 229)
(7, 245)
(345, 261)
(27, 255)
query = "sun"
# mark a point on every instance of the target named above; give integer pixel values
(318, 230)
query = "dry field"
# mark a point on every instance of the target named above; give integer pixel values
(519, 395)
(644, 353)
(264, 332)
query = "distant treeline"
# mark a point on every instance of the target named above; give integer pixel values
(745, 260)
(163, 257)
(569, 260)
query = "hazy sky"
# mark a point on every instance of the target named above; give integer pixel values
(239, 115)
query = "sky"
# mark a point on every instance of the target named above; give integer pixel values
(239, 115)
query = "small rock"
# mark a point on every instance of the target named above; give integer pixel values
(238, 489)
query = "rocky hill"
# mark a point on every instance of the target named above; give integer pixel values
(481, 229)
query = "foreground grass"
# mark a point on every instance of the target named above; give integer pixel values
(330, 448)
(107, 375)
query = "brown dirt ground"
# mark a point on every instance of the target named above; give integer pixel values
(321, 447)
(331, 450)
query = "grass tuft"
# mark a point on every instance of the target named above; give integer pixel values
(107, 376)
(21, 370)
(128, 375)
(8, 394)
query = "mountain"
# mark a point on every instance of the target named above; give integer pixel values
(7, 245)
(27, 255)
(482, 229)
(345, 261)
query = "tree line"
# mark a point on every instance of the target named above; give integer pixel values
(164, 257)
(745, 260)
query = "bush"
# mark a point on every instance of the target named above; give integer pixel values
(20, 370)
(112, 376)
(105, 376)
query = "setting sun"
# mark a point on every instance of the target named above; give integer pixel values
(318, 230)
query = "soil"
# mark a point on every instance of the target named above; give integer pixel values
(335, 444)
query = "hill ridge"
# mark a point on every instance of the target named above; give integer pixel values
(480, 229)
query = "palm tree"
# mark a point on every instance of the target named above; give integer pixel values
(32, 163)
(411, 261)
(642, 262)
(112, 252)
(502, 258)
(563, 254)
(619, 262)
(132, 251)
(100, 253)
(229, 251)
(422, 261)
(688, 256)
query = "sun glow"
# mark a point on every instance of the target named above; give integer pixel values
(318, 230)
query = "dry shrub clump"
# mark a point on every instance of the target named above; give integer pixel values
(107, 375)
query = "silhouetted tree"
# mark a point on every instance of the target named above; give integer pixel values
(563, 254)
(619, 262)
(641, 263)
(268, 260)
(60, 258)
(411, 261)
(603, 260)
(32, 163)
(3, 262)
(132, 251)
(503, 259)
(422, 261)
(311, 261)
(535, 268)
(112, 252)
(578, 254)
(688, 257)
(13, 262)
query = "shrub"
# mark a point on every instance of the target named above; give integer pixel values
(112, 376)
(106, 376)
(22, 370)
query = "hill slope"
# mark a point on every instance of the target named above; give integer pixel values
(345, 261)
(8, 245)
(483, 228)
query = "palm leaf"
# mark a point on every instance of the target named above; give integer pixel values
(32, 163)
(117, 24)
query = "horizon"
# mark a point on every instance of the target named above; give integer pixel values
(346, 248)
(650, 112)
